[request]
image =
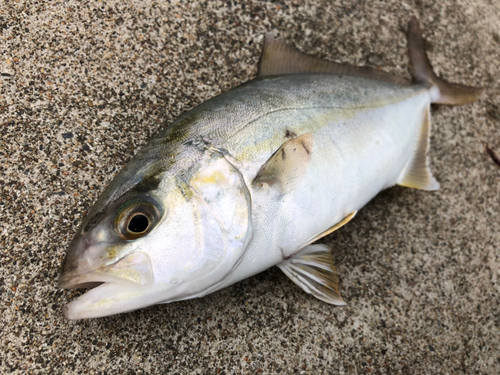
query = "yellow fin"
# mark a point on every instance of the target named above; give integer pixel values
(416, 174)
(313, 270)
(278, 58)
(287, 165)
(333, 228)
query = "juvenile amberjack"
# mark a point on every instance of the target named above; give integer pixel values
(251, 178)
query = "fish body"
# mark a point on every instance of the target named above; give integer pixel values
(363, 134)
(250, 178)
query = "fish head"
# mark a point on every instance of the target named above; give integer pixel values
(176, 241)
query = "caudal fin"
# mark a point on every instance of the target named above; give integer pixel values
(446, 93)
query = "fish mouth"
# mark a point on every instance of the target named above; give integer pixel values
(108, 299)
(115, 288)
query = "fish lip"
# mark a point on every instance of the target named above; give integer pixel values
(76, 309)
(134, 269)
(110, 299)
(88, 280)
(67, 283)
(115, 288)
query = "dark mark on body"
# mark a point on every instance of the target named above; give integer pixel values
(93, 221)
(148, 183)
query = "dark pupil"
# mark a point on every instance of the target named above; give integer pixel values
(138, 224)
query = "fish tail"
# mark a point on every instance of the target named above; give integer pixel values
(444, 92)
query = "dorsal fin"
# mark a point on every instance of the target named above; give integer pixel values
(278, 58)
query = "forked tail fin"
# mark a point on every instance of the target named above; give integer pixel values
(416, 173)
(446, 93)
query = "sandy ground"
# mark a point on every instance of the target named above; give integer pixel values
(84, 84)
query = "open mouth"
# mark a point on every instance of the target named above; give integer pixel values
(92, 280)
(89, 285)
(133, 269)
(113, 288)
(106, 299)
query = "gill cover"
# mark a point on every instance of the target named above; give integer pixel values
(220, 188)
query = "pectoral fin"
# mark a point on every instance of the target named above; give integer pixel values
(287, 165)
(313, 270)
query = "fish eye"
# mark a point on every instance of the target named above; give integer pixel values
(138, 224)
(136, 218)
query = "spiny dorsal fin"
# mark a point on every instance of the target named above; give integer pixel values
(313, 270)
(287, 165)
(278, 58)
(417, 174)
(333, 228)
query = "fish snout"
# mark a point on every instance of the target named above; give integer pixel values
(134, 269)
(92, 259)
(76, 262)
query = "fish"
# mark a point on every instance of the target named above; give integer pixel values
(252, 178)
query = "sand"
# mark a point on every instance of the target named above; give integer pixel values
(84, 84)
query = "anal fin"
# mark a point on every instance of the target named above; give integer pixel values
(312, 269)
(417, 174)
(333, 228)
